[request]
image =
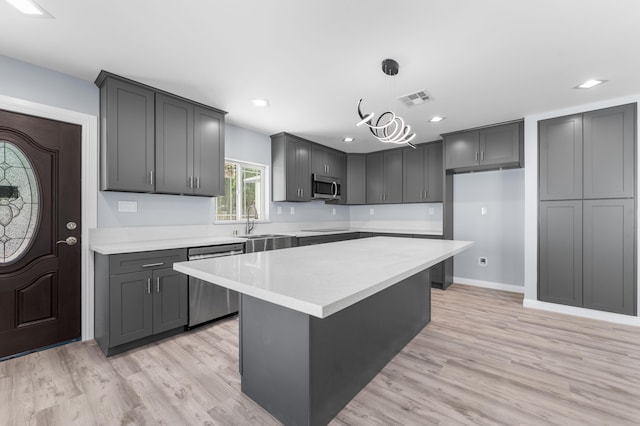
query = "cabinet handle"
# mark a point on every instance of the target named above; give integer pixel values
(425, 194)
(149, 265)
(148, 285)
(302, 192)
(198, 182)
(157, 284)
(482, 156)
(476, 155)
(150, 177)
(190, 182)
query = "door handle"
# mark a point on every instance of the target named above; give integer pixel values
(190, 182)
(476, 156)
(150, 177)
(198, 182)
(157, 284)
(70, 241)
(148, 285)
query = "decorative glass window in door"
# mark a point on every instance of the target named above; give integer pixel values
(19, 207)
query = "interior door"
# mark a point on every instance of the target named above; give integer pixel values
(40, 212)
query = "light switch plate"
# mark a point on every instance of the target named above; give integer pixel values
(128, 206)
(483, 211)
(432, 211)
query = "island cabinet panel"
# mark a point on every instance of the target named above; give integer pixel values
(291, 168)
(609, 261)
(609, 152)
(487, 148)
(384, 177)
(560, 254)
(422, 173)
(139, 298)
(560, 158)
(304, 370)
(153, 141)
(127, 137)
(356, 185)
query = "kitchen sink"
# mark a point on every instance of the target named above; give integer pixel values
(266, 242)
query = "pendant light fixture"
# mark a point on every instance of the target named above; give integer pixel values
(388, 128)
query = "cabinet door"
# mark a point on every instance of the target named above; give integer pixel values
(303, 167)
(462, 149)
(130, 307)
(433, 173)
(128, 144)
(291, 171)
(375, 178)
(393, 176)
(560, 252)
(356, 179)
(208, 152)
(500, 144)
(174, 145)
(560, 158)
(609, 283)
(170, 300)
(318, 160)
(609, 154)
(333, 163)
(413, 174)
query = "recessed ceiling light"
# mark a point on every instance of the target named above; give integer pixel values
(348, 139)
(589, 84)
(436, 118)
(30, 8)
(260, 102)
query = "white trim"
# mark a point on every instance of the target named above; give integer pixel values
(582, 312)
(489, 284)
(90, 169)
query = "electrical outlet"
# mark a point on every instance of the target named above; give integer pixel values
(432, 211)
(279, 210)
(128, 206)
(483, 211)
(292, 211)
(371, 212)
(483, 261)
(334, 211)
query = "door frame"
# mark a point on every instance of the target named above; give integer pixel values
(89, 196)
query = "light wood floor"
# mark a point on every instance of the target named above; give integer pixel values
(483, 360)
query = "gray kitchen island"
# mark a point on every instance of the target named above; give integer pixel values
(317, 323)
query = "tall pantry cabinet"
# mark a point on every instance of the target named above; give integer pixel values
(586, 239)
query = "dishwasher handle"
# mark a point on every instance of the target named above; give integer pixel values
(213, 255)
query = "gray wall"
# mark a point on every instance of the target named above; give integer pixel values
(499, 235)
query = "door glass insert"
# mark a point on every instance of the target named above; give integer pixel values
(19, 202)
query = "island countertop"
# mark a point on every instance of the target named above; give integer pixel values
(320, 280)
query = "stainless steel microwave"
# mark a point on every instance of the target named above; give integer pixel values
(325, 187)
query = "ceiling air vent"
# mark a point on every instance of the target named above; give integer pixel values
(416, 98)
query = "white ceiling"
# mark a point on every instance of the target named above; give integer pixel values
(483, 62)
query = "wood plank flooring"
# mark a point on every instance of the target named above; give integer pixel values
(482, 360)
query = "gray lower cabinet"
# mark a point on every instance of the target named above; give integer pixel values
(487, 148)
(127, 161)
(139, 298)
(560, 252)
(384, 177)
(609, 256)
(436, 271)
(422, 173)
(290, 168)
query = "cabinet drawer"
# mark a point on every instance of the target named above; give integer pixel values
(144, 261)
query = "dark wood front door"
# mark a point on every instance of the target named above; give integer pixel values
(40, 204)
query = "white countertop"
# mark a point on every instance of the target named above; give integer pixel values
(322, 279)
(170, 243)
(134, 246)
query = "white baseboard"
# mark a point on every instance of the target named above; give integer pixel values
(582, 312)
(489, 284)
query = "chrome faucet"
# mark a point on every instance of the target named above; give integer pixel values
(251, 224)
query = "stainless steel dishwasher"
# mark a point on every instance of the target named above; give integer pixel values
(208, 301)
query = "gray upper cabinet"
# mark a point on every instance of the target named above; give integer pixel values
(127, 136)
(189, 148)
(324, 161)
(488, 148)
(560, 257)
(609, 261)
(291, 168)
(153, 141)
(384, 177)
(609, 142)
(560, 158)
(422, 173)
(356, 185)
